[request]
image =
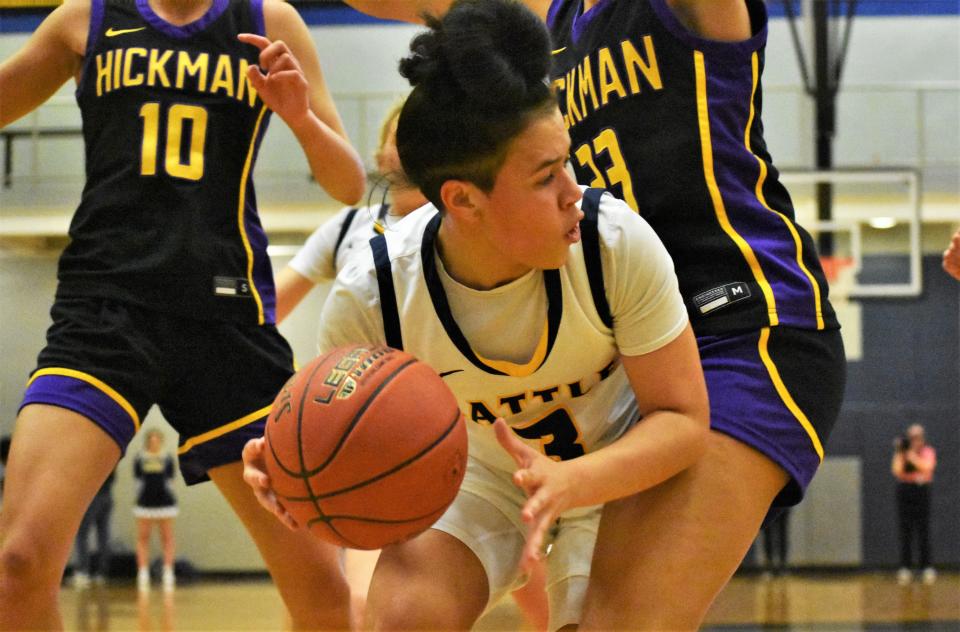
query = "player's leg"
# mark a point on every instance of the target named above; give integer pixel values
(104, 510)
(467, 560)
(58, 460)
(307, 572)
(774, 396)
(358, 567)
(684, 537)
(432, 582)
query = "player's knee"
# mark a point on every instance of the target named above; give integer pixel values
(23, 565)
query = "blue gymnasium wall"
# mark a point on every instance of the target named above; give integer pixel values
(910, 373)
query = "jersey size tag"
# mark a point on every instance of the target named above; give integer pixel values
(231, 286)
(721, 296)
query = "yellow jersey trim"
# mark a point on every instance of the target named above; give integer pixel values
(706, 150)
(97, 384)
(785, 394)
(754, 62)
(521, 370)
(243, 231)
(210, 435)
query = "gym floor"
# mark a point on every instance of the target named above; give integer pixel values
(796, 602)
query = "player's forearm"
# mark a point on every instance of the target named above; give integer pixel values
(334, 163)
(662, 445)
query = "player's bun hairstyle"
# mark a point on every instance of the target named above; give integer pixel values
(479, 76)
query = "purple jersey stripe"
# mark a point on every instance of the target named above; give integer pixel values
(729, 89)
(85, 399)
(256, 8)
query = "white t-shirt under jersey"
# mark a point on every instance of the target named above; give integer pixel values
(579, 383)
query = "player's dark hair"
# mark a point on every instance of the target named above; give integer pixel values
(479, 76)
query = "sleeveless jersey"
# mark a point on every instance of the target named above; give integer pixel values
(329, 246)
(670, 122)
(573, 395)
(168, 217)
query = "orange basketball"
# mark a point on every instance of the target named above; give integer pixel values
(366, 446)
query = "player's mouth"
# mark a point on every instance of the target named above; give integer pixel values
(573, 235)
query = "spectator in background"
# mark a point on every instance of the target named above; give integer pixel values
(776, 544)
(951, 257)
(98, 516)
(4, 451)
(156, 506)
(913, 464)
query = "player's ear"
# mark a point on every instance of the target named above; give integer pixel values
(460, 199)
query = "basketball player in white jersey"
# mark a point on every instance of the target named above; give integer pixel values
(559, 315)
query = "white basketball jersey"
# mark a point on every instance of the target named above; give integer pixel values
(570, 398)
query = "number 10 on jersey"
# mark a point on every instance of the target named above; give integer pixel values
(173, 157)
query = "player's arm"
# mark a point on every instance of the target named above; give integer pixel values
(292, 287)
(951, 257)
(52, 55)
(288, 53)
(413, 10)
(721, 20)
(672, 435)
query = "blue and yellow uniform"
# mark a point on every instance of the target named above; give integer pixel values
(670, 122)
(165, 291)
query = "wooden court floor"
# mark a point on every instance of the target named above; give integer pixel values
(822, 603)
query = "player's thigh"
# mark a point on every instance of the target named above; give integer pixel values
(778, 390)
(58, 460)
(684, 537)
(433, 581)
(227, 378)
(306, 570)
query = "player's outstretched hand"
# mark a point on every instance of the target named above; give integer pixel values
(547, 484)
(283, 87)
(255, 475)
(951, 257)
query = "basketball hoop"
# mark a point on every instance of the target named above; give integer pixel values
(834, 266)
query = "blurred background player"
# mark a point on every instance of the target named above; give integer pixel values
(155, 506)
(165, 293)
(97, 517)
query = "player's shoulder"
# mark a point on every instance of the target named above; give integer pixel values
(400, 244)
(617, 222)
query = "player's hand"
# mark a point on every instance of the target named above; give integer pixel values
(255, 475)
(284, 87)
(548, 487)
(951, 257)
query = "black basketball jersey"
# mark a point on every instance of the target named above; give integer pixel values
(172, 126)
(670, 122)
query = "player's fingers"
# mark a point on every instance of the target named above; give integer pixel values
(256, 77)
(284, 516)
(253, 39)
(509, 441)
(275, 51)
(533, 549)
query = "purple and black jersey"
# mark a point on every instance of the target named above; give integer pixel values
(172, 126)
(670, 122)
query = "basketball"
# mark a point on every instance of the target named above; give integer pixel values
(366, 446)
